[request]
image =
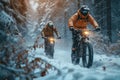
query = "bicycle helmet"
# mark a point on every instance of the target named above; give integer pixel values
(50, 24)
(84, 10)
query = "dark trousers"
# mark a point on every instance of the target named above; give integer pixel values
(75, 39)
(75, 54)
(45, 45)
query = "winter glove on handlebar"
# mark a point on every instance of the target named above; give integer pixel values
(74, 30)
(58, 37)
(71, 28)
(43, 37)
(97, 29)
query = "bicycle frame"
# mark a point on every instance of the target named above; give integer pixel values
(84, 48)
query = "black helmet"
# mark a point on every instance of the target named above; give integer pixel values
(84, 10)
(50, 24)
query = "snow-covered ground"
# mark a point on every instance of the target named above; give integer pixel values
(104, 67)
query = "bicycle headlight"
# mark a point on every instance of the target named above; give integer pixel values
(51, 40)
(86, 33)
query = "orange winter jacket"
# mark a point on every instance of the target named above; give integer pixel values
(78, 21)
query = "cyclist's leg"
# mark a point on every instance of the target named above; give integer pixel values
(45, 47)
(74, 54)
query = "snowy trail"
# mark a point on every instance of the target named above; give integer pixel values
(62, 60)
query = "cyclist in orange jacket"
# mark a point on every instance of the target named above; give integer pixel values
(79, 21)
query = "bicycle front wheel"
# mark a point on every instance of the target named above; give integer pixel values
(87, 54)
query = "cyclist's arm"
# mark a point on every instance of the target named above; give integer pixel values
(92, 21)
(56, 32)
(72, 20)
(42, 33)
